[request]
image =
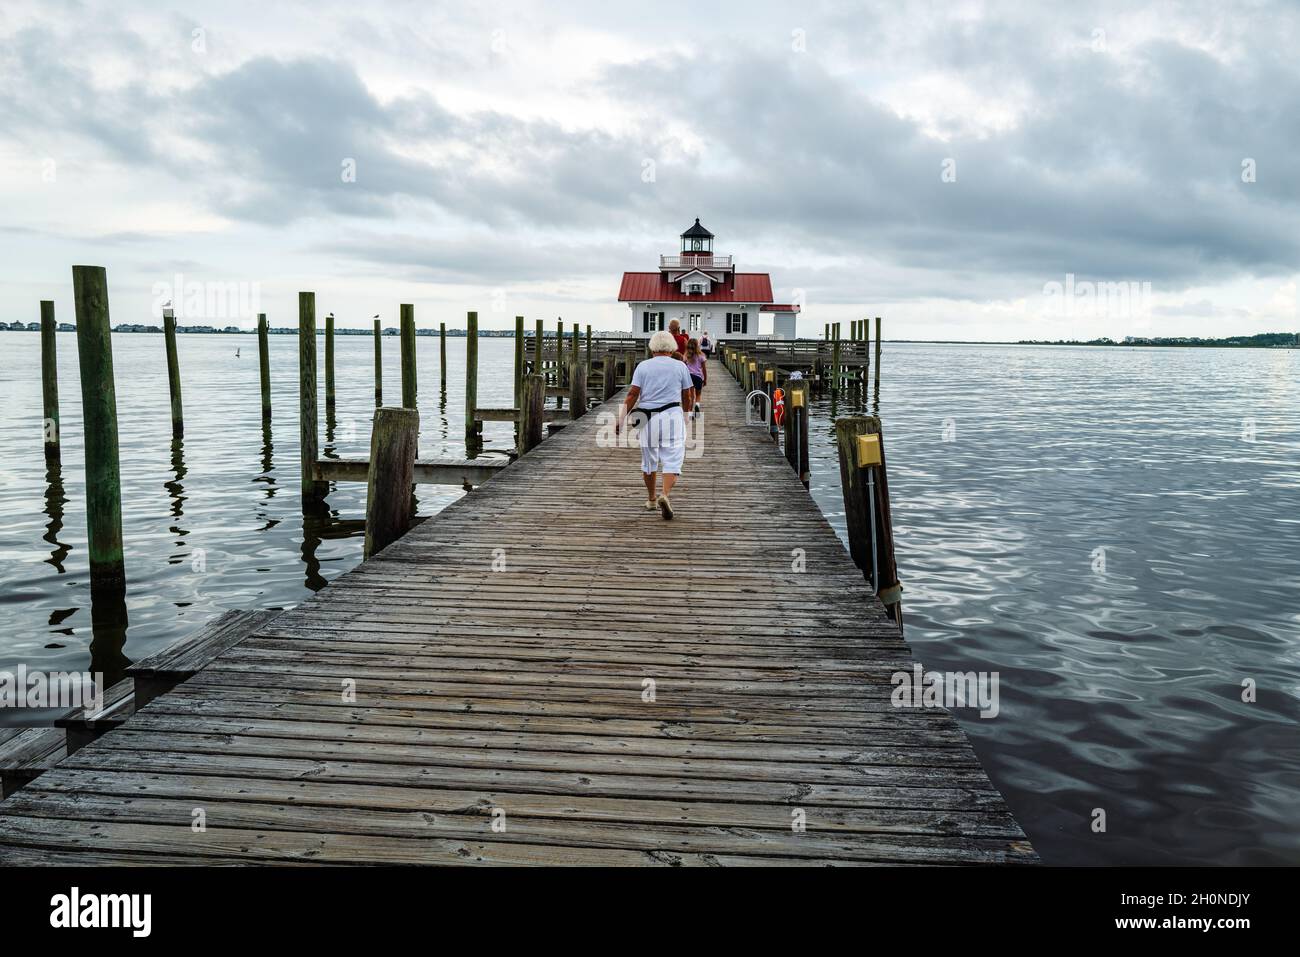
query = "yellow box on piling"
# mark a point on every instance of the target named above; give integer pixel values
(753, 366)
(868, 450)
(769, 375)
(796, 398)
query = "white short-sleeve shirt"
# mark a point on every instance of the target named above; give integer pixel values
(661, 380)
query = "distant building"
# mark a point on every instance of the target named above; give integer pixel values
(704, 292)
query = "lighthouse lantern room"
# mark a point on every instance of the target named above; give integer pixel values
(697, 240)
(705, 293)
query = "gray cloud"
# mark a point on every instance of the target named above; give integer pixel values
(1120, 164)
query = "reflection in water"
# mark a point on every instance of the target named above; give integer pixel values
(875, 398)
(321, 524)
(268, 462)
(318, 524)
(108, 622)
(176, 490)
(55, 499)
(58, 617)
(331, 424)
(267, 478)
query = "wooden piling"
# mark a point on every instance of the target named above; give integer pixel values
(472, 425)
(173, 374)
(864, 483)
(519, 361)
(577, 389)
(537, 348)
(99, 425)
(392, 465)
(796, 428)
(866, 356)
(769, 388)
(876, 397)
(264, 365)
(835, 359)
(857, 509)
(407, 328)
(308, 422)
(379, 364)
(559, 360)
(610, 384)
(532, 412)
(329, 363)
(589, 347)
(49, 380)
(442, 355)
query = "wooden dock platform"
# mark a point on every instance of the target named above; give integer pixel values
(547, 673)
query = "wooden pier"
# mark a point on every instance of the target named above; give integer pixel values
(547, 673)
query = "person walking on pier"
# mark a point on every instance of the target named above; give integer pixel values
(679, 337)
(706, 344)
(696, 366)
(662, 391)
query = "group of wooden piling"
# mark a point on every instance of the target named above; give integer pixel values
(859, 439)
(849, 368)
(393, 460)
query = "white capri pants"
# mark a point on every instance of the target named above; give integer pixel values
(663, 442)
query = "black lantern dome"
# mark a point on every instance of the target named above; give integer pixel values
(697, 239)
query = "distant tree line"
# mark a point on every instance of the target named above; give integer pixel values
(1260, 340)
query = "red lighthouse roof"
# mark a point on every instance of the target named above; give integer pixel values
(755, 287)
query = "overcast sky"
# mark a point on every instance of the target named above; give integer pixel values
(940, 164)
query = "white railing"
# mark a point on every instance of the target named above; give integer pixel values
(700, 261)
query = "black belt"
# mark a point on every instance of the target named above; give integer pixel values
(662, 408)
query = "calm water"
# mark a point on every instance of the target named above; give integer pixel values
(1115, 532)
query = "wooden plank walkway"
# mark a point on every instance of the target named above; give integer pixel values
(501, 653)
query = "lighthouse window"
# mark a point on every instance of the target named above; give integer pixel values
(697, 288)
(738, 322)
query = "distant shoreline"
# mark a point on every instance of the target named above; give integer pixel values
(1285, 340)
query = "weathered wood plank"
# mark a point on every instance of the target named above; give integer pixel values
(425, 472)
(160, 672)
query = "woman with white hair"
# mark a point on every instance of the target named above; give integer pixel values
(662, 391)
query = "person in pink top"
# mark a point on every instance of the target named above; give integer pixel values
(697, 365)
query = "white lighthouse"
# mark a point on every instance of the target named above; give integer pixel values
(704, 292)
